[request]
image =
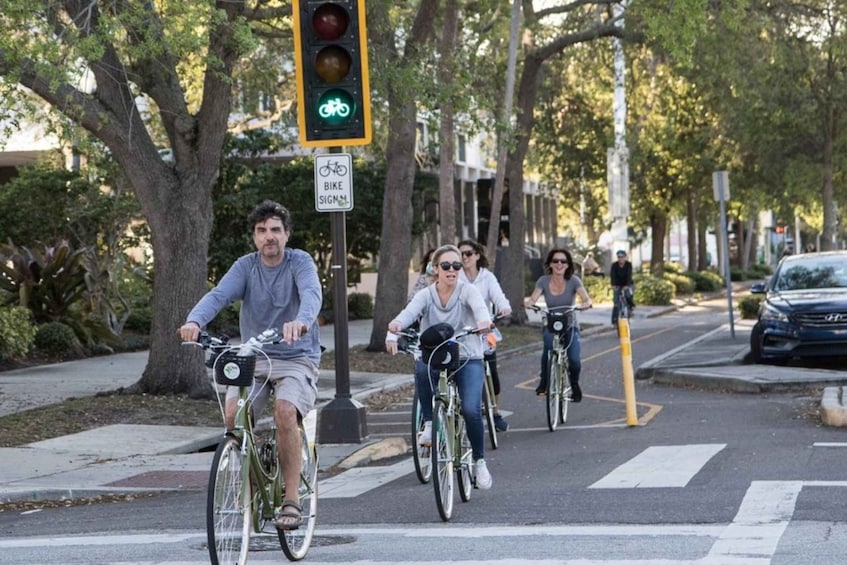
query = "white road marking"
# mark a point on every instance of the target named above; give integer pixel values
(761, 520)
(829, 444)
(359, 480)
(661, 467)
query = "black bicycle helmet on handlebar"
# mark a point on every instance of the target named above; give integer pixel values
(436, 349)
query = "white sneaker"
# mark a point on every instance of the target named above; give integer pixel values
(483, 477)
(425, 435)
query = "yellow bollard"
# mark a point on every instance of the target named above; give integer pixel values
(628, 375)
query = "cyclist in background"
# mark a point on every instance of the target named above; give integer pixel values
(460, 305)
(427, 274)
(560, 287)
(475, 271)
(620, 277)
(279, 289)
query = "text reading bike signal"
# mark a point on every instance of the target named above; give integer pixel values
(333, 92)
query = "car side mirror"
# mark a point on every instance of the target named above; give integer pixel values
(758, 288)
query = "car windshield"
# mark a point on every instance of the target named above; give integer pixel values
(813, 273)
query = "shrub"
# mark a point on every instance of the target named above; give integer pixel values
(749, 305)
(736, 274)
(139, 320)
(57, 339)
(673, 267)
(653, 291)
(760, 271)
(360, 306)
(16, 332)
(705, 281)
(682, 283)
(598, 288)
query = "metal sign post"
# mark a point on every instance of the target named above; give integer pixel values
(343, 420)
(720, 183)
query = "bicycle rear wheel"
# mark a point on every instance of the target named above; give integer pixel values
(420, 454)
(465, 468)
(295, 543)
(488, 408)
(554, 391)
(228, 508)
(442, 461)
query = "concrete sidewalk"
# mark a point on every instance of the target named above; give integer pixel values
(125, 459)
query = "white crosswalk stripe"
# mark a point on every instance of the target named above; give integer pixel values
(661, 467)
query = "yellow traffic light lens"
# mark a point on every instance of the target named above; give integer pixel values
(333, 63)
(330, 21)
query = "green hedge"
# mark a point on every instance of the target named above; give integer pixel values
(17, 332)
(749, 305)
(653, 291)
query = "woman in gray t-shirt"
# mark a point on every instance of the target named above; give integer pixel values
(560, 287)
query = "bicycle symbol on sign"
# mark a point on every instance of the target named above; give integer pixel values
(333, 167)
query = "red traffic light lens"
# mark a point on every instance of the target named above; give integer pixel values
(330, 21)
(333, 63)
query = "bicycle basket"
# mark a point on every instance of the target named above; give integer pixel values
(234, 370)
(559, 322)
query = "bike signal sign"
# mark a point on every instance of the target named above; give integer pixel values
(334, 182)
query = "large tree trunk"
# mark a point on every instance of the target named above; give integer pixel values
(658, 231)
(446, 149)
(691, 220)
(392, 285)
(180, 280)
(396, 238)
(513, 280)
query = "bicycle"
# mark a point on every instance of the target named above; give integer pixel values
(409, 343)
(560, 321)
(451, 448)
(489, 405)
(621, 305)
(245, 482)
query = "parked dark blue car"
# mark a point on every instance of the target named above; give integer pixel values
(804, 310)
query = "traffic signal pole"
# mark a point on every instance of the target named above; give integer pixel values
(334, 110)
(344, 419)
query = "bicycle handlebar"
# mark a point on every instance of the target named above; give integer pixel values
(252, 345)
(568, 308)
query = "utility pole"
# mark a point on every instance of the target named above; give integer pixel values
(618, 156)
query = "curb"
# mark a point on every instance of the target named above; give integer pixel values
(382, 449)
(833, 412)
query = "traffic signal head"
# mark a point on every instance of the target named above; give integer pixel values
(333, 94)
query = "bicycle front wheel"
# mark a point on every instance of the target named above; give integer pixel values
(420, 454)
(465, 459)
(567, 390)
(488, 408)
(442, 461)
(228, 505)
(554, 391)
(295, 543)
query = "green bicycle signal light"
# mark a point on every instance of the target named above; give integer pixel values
(333, 91)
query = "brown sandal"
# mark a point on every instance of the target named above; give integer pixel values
(289, 516)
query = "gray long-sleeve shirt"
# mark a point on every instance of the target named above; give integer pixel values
(465, 308)
(270, 297)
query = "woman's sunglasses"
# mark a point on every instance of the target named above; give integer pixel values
(445, 265)
(468, 253)
(559, 261)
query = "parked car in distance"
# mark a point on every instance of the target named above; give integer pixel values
(804, 310)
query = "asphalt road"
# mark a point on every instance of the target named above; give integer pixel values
(712, 478)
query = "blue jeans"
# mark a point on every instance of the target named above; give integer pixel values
(574, 353)
(469, 381)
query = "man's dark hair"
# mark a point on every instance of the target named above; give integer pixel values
(267, 210)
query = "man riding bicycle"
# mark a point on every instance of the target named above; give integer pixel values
(279, 289)
(620, 277)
